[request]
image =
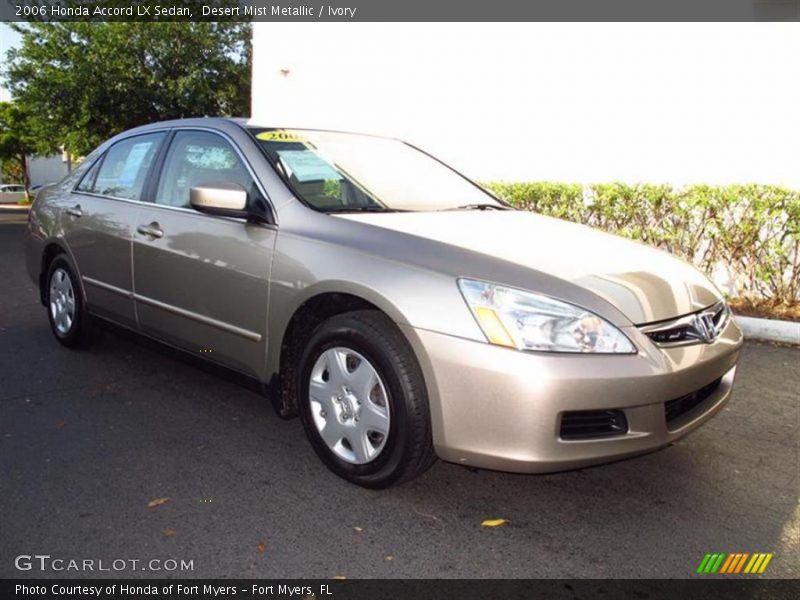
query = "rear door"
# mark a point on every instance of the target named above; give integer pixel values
(202, 281)
(98, 219)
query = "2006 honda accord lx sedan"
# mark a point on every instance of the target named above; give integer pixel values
(400, 310)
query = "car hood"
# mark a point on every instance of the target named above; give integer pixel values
(645, 284)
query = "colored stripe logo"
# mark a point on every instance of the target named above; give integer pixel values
(734, 563)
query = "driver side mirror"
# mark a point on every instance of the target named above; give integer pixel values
(223, 199)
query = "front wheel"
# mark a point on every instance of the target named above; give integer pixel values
(363, 401)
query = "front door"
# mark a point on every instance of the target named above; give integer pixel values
(202, 281)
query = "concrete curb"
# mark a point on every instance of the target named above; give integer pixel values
(770, 329)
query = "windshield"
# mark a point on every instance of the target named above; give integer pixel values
(345, 172)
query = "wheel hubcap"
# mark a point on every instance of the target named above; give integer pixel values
(349, 405)
(62, 301)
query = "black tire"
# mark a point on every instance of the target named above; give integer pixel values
(78, 333)
(408, 449)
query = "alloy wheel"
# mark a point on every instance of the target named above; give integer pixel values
(62, 301)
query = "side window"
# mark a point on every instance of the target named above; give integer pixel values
(199, 158)
(123, 170)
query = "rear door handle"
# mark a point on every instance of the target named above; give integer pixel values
(153, 230)
(75, 211)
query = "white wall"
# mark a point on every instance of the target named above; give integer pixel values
(47, 169)
(678, 103)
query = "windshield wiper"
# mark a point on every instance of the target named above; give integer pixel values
(357, 209)
(485, 206)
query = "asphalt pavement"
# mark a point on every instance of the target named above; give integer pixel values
(89, 439)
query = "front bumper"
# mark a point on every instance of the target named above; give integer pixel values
(500, 408)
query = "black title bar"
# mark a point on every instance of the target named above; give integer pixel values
(391, 589)
(400, 10)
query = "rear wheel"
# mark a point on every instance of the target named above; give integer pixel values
(363, 401)
(66, 309)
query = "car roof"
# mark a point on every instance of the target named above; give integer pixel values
(217, 122)
(226, 123)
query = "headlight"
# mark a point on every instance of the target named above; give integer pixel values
(527, 321)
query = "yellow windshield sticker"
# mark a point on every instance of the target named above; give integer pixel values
(279, 135)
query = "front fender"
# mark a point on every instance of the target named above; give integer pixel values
(304, 268)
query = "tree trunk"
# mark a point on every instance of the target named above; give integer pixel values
(26, 176)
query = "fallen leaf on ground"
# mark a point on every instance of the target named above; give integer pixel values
(493, 522)
(261, 547)
(388, 557)
(339, 577)
(61, 424)
(358, 529)
(168, 532)
(157, 502)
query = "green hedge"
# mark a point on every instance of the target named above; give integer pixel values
(746, 237)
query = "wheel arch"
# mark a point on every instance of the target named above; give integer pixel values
(318, 303)
(51, 249)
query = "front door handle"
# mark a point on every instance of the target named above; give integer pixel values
(75, 211)
(153, 230)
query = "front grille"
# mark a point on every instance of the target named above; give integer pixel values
(672, 335)
(678, 407)
(704, 326)
(587, 424)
